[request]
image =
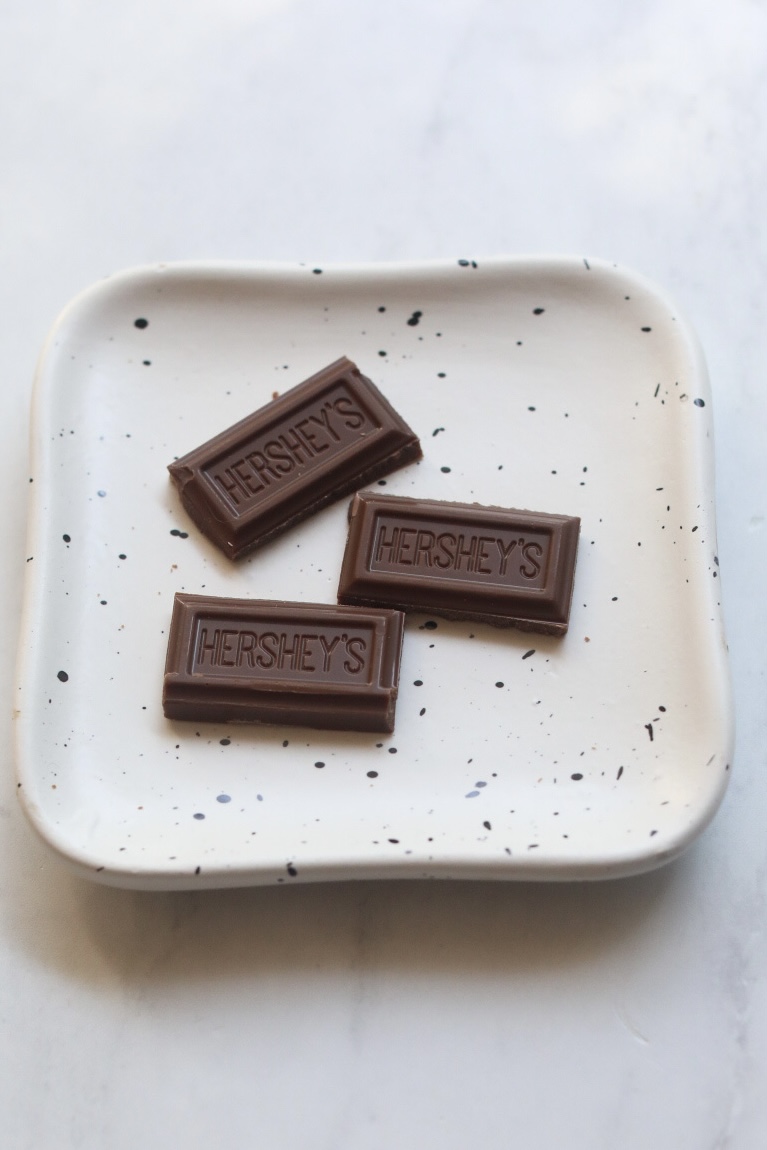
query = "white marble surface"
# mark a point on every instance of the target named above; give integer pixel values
(631, 1013)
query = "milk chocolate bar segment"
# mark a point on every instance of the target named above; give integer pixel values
(257, 661)
(323, 439)
(495, 565)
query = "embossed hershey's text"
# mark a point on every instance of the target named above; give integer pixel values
(280, 651)
(491, 555)
(308, 438)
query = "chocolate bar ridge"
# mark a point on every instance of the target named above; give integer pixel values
(323, 439)
(494, 565)
(259, 661)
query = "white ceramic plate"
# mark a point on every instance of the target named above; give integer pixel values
(559, 385)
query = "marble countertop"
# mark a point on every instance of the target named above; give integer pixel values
(628, 1013)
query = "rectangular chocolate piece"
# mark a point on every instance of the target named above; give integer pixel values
(491, 564)
(328, 436)
(306, 664)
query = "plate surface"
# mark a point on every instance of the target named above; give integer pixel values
(559, 385)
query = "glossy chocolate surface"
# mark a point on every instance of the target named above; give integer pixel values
(257, 661)
(496, 565)
(323, 439)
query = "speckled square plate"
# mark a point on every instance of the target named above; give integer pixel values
(559, 385)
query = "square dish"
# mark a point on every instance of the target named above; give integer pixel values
(555, 384)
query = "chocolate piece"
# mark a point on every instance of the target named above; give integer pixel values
(328, 436)
(307, 664)
(492, 564)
